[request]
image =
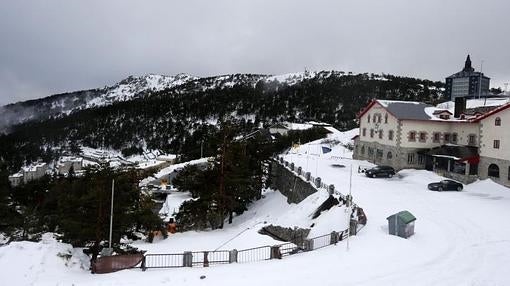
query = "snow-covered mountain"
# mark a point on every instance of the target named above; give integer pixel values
(133, 87)
(65, 103)
(128, 89)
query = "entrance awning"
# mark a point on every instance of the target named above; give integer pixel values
(455, 152)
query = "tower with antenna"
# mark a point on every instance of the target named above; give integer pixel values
(467, 82)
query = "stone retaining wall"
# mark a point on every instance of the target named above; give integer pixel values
(294, 187)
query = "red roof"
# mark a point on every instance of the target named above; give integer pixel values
(490, 113)
(364, 110)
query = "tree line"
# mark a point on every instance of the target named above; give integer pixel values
(78, 208)
(235, 178)
(179, 120)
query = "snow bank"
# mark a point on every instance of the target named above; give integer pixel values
(30, 263)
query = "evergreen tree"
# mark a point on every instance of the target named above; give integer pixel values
(9, 217)
(84, 207)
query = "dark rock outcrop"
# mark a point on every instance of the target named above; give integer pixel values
(295, 235)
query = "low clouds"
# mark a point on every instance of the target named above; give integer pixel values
(56, 46)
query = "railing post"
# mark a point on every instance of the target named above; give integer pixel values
(308, 245)
(275, 252)
(331, 189)
(143, 266)
(232, 256)
(318, 182)
(307, 176)
(299, 171)
(292, 166)
(353, 227)
(341, 236)
(206, 259)
(187, 259)
(334, 237)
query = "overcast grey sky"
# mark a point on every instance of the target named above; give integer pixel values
(49, 47)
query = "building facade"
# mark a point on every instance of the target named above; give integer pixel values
(415, 135)
(65, 164)
(467, 83)
(495, 145)
(27, 174)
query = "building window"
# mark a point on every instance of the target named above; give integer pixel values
(496, 144)
(412, 136)
(437, 137)
(379, 116)
(379, 153)
(493, 171)
(509, 173)
(390, 135)
(368, 118)
(371, 133)
(380, 134)
(374, 118)
(364, 132)
(423, 136)
(472, 139)
(389, 156)
(421, 159)
(370, 151)
(454, 137)
(497, 121)
(362, 150)
(386, 118)
(410, 158)
(446, 138)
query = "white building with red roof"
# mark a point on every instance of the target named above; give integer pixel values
(464, 145)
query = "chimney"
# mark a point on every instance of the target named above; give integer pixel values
(460, 106)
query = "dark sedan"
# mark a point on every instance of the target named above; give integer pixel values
(380, 171)
(446, 185)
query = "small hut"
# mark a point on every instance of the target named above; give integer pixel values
(401, 224)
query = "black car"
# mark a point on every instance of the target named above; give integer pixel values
(446, 185)
(380, 171)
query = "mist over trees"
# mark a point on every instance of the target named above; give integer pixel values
(182, 120)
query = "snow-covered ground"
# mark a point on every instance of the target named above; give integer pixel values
(165, 172)
(462, 238)
(148, 159)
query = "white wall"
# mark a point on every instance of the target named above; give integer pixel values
(490, 132)
(392, 124)
(462, 129)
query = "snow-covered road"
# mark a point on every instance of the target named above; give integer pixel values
(462, 238)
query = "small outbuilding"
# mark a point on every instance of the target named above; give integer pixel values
(401, 224)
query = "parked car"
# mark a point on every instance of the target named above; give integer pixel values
(380, 171)
(446, 185)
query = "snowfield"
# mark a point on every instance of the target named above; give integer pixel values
(462, 238)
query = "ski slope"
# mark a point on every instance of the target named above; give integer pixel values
(462, 238)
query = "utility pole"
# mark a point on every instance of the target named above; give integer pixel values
(111, 215)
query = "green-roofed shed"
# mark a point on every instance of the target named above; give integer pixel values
(401, 224)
